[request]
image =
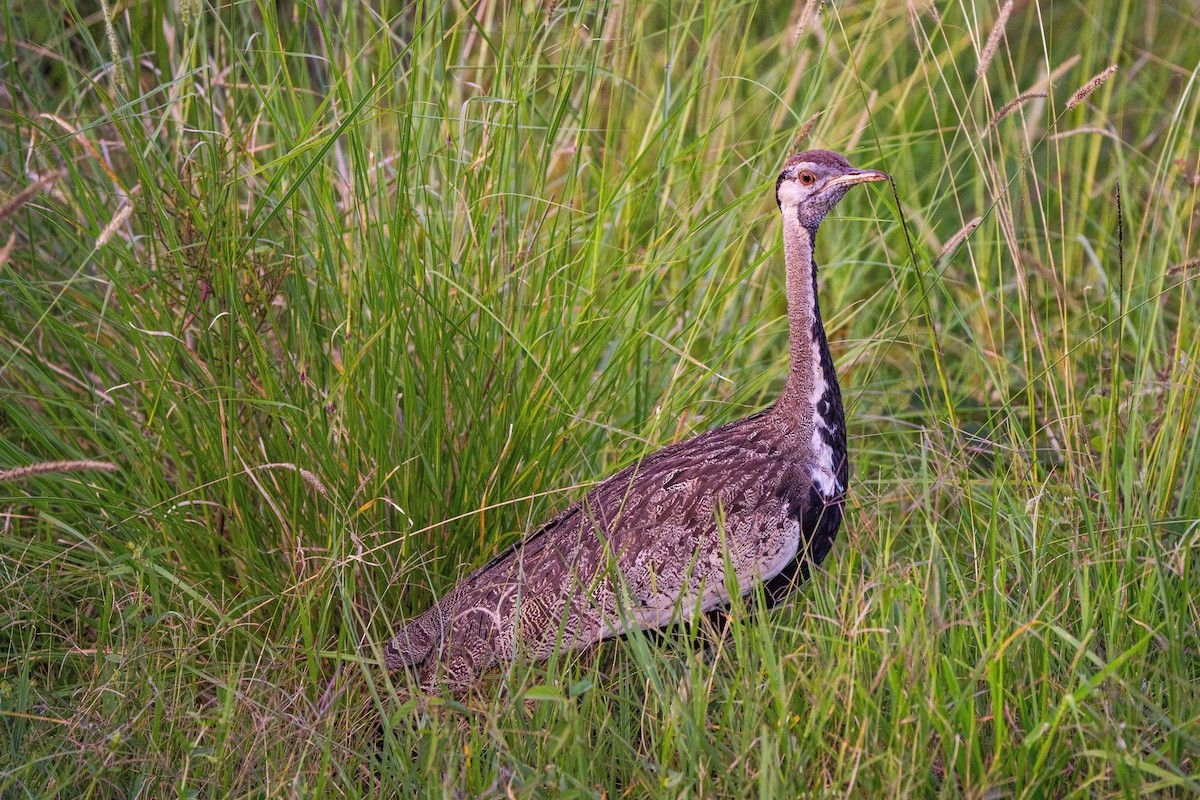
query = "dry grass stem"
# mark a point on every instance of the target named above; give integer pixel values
(382, 294)
(1093, 129)
(958, 238)
(6, 251)
(1095, 83)
(993, 40)
(54, 468)
(1056, 73)
(117, 221)
(1012, 106)
(22, 197)
(1062, 69)
(863, 119)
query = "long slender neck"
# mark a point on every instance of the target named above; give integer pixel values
(811, 365)
(811, 405)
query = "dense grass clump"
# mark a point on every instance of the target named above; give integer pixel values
(308, 308)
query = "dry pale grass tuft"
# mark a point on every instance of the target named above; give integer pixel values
(1095, 83)
(54, 468)
(201, 619)
(993, 40)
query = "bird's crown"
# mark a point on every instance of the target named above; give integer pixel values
(824, 158)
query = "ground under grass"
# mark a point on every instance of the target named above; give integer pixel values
(335, 300)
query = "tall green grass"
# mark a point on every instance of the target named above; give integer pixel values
(343, 300)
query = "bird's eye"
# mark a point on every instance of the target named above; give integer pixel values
(807, 178)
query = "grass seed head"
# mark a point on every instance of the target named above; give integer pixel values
(54, 468)
(993, 40)
(958, 238)
(1011, 106)
(1095, 83)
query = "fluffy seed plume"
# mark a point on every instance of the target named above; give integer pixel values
(811, 9)
(1095, 83)
(993, 40)
(110, 33)
(958, 238)
(54, 468)
(1013, 105)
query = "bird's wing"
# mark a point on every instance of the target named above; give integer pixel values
(650, 540)
(656, 534)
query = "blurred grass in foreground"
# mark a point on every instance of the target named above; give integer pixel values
(343, 301)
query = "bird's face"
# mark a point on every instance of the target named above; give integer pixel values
(812, 183)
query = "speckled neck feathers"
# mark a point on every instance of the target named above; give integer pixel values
(811, 403)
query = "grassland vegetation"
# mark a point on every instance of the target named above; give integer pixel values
(308, 308)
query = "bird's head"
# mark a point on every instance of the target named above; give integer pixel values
(812, 183)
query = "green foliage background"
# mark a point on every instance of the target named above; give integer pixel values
(344, 298)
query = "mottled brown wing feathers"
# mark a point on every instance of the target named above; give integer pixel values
(409, 647)
(650, 517)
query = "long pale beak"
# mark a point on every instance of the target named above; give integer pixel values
(859, 176)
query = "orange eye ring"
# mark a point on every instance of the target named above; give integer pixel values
(807, 178)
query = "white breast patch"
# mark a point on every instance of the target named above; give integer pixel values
(823, 475)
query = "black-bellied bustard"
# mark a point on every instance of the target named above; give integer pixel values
(762, 495)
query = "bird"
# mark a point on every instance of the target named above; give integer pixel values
(762, 496)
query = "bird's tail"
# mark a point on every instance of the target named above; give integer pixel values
(412, 644)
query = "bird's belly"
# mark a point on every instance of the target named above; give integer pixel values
(777, 558)
(754, 554)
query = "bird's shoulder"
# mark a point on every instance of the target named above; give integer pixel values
(711, 459)
(745, 467)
